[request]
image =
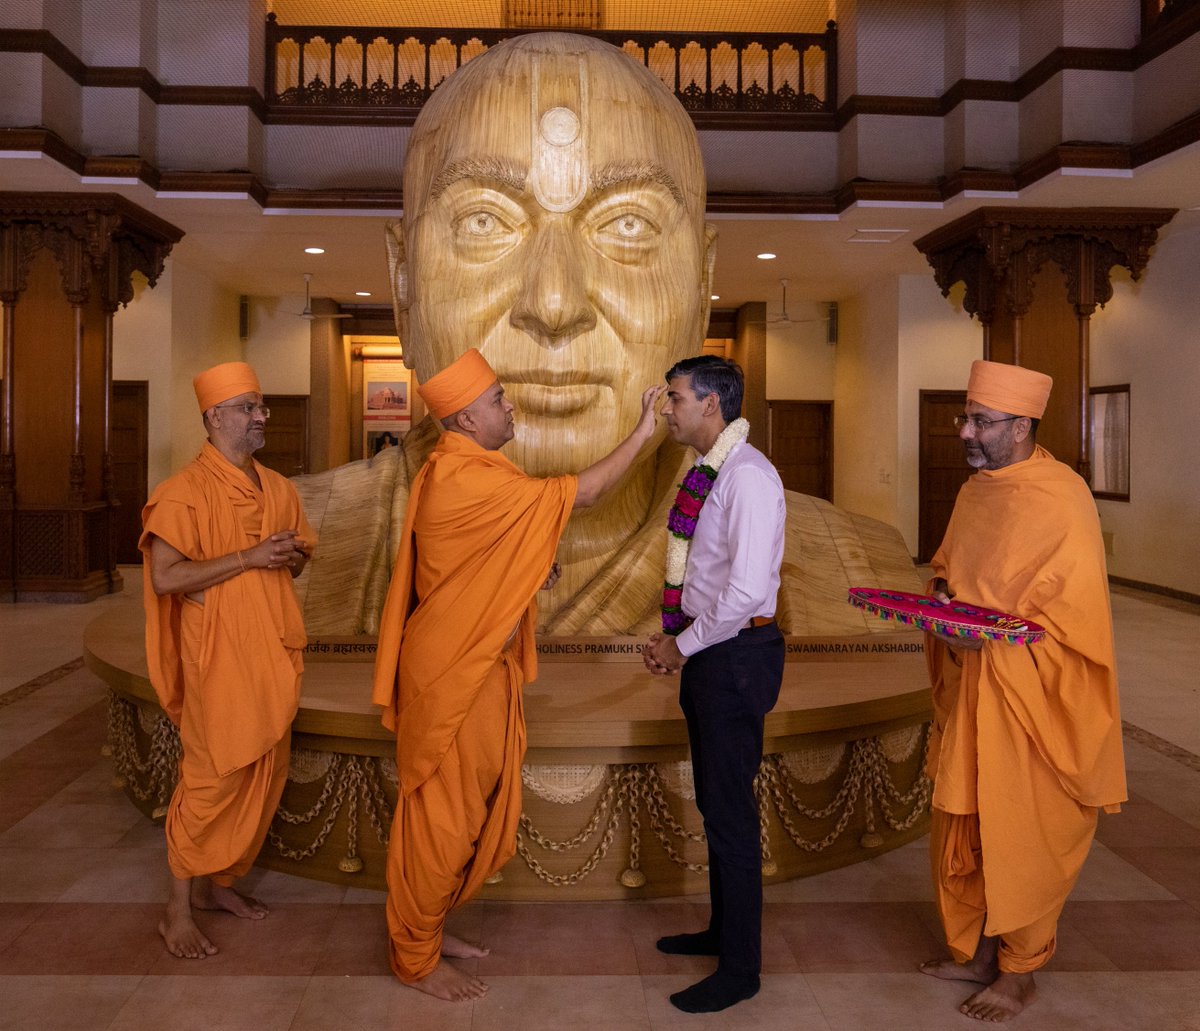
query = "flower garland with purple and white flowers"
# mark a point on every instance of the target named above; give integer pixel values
(681, 523)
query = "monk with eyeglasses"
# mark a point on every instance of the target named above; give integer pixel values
(1026, 741)
(222, 540)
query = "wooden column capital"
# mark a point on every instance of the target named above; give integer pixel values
(93, 236)
(1008, 246)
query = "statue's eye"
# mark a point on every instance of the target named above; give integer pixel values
(625, 236)
(481, 223)
(629, 226)
(485, 233)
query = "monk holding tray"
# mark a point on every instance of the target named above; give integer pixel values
(1026, 741)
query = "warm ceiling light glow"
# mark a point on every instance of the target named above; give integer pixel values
(314, 250)
(362, 293)
(715, 297)
(765, 256)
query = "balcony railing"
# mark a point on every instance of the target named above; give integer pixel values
(1158, 13)
(318, 73)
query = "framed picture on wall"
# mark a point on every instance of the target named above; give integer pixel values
(1109, 446)
(386, 388)
(381, 434)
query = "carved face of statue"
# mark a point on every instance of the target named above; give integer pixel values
(554, 203)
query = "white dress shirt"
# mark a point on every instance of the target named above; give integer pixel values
(737, 549)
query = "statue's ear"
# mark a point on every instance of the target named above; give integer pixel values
(710, 264)
(398, 276)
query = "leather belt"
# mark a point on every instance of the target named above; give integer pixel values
(757, 621)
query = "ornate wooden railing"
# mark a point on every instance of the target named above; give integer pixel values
(319, 73)
(1156, 13)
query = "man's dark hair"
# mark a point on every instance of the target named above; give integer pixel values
(712, 374)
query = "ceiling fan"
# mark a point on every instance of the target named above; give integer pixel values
(830, 318)
(783, 315)
(307, 314)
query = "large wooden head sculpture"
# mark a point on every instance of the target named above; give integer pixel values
(554, 218)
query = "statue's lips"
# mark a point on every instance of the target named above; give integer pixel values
(554, 400)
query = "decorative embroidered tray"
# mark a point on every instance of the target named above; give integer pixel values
(955, 619)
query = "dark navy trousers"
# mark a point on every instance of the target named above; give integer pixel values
(725, 693)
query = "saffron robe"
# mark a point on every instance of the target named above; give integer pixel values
(226, 672)
(1027, 738)
(456, 644)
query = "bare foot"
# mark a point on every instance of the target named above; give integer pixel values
(459, 949)
(1002, 1000)
(449, 983)
(983, 968)
(206, 895)
(179, 931)
(949, 970)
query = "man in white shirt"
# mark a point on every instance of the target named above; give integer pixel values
(726, 538)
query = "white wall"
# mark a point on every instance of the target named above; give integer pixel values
(864, 403)
(278, 346)
(800, 362)
(1149, 337)
(937, 343)
(204, 322)
(142, 351)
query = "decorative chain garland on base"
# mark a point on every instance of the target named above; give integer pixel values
(145, 750)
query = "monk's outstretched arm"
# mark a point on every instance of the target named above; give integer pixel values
(172, 572)
(596, 479)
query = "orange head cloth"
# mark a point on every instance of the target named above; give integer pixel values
(1009, 388)
(458, 384)
(222, 382)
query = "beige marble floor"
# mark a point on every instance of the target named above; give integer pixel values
(82, 876)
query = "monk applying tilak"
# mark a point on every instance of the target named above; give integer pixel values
(1026, 745)
(222, 541)
(456, 644)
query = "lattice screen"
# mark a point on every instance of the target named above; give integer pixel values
(553, 14)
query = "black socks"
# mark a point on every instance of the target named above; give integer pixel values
(716, 992)
(703, 943)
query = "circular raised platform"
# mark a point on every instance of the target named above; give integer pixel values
(608, 809)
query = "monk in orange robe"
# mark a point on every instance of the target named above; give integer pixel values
(222, 540)
(1026, 745)
(456, 645)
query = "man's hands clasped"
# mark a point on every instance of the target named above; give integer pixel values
(280, 550)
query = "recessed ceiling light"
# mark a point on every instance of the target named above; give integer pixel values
(765, 256)
(715, 297)
(314, 250)
(362, 293)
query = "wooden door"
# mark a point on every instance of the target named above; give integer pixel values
(286, 450)
(943, 466)
(801, 445)
(130, 442)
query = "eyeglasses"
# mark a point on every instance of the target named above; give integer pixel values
(979, 423)
(248, 408)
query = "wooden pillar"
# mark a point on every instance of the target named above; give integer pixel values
(749, 350)
(1035, 276)
(66, 262)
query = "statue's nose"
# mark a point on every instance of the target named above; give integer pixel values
(553, 305)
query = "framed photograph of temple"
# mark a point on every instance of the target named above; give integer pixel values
(386, 387)
(1109, 451)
